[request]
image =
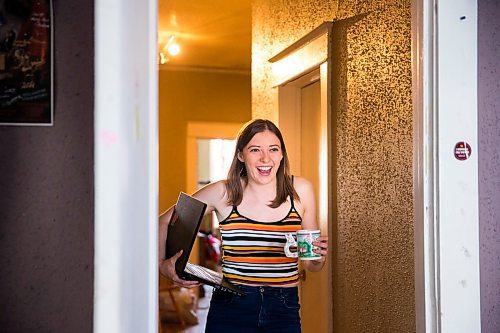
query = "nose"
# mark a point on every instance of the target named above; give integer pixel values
(264, 156)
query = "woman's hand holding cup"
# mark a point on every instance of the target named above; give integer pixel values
(321, 247)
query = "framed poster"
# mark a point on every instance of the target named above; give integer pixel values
(26, 87)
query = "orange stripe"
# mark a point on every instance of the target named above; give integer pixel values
(254, 260)
(247, 226)
(233, 215)
(260, 279)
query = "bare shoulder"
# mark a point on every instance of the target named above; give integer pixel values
(303, 187)
(213, 194)
(307, 204)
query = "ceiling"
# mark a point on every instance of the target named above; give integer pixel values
(211, 34)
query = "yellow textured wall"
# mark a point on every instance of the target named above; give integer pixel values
(275, 25)
(373, 263)
(186, 96)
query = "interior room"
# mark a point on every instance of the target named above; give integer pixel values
(389, 91)
(366, 188)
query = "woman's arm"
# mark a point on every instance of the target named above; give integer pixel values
(211, 195)
(305, 191)
(167, 265)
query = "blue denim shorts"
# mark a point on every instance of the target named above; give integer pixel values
(261, 309)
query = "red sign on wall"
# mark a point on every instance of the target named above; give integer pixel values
(462, 151)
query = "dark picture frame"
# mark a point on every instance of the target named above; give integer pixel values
(26, 62)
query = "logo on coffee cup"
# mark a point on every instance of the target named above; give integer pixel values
(304, 244)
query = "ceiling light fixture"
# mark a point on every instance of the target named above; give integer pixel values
(171, 48)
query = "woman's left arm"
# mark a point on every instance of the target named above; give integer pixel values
(305, 191)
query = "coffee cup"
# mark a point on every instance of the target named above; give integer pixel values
(304, 244)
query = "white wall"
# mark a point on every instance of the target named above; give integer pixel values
(126, 180)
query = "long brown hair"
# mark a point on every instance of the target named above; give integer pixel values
(237, 171)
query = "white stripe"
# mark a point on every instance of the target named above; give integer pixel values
(261, 275)
(261, 267)
(266, 266)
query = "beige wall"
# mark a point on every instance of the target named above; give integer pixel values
(186, 96)
(373, 277)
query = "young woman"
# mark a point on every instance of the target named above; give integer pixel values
(257, 205)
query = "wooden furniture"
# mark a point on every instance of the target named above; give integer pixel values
(167, 286)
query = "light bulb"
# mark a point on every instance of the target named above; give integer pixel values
(174, 49)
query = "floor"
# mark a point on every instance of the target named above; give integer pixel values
(201, 312)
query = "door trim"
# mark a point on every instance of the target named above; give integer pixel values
(444, 79)
(308, 60)
(424, 157)
(303, 56)
(126, 167)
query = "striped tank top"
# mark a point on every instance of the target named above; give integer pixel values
(253, 252)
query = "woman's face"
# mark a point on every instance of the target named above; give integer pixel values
(262, 157)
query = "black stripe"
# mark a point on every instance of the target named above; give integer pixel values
(254, 254)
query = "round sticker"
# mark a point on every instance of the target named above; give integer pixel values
(462, 151)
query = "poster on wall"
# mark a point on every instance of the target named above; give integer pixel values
(26, 62)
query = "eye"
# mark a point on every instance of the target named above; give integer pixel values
(254, 150)
(275, 149)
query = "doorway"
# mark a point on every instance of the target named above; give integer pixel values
(118, 280)
(302, 112)
(301, 76)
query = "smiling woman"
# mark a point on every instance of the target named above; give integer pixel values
(258, 204)
(263, 151)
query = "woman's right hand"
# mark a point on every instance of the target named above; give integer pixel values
(167, 269)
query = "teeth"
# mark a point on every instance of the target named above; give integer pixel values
(264, 168)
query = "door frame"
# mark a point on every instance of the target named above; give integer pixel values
(125, 298)
(444, 75)
(426, 274)
(307, 60)
(126, 167)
